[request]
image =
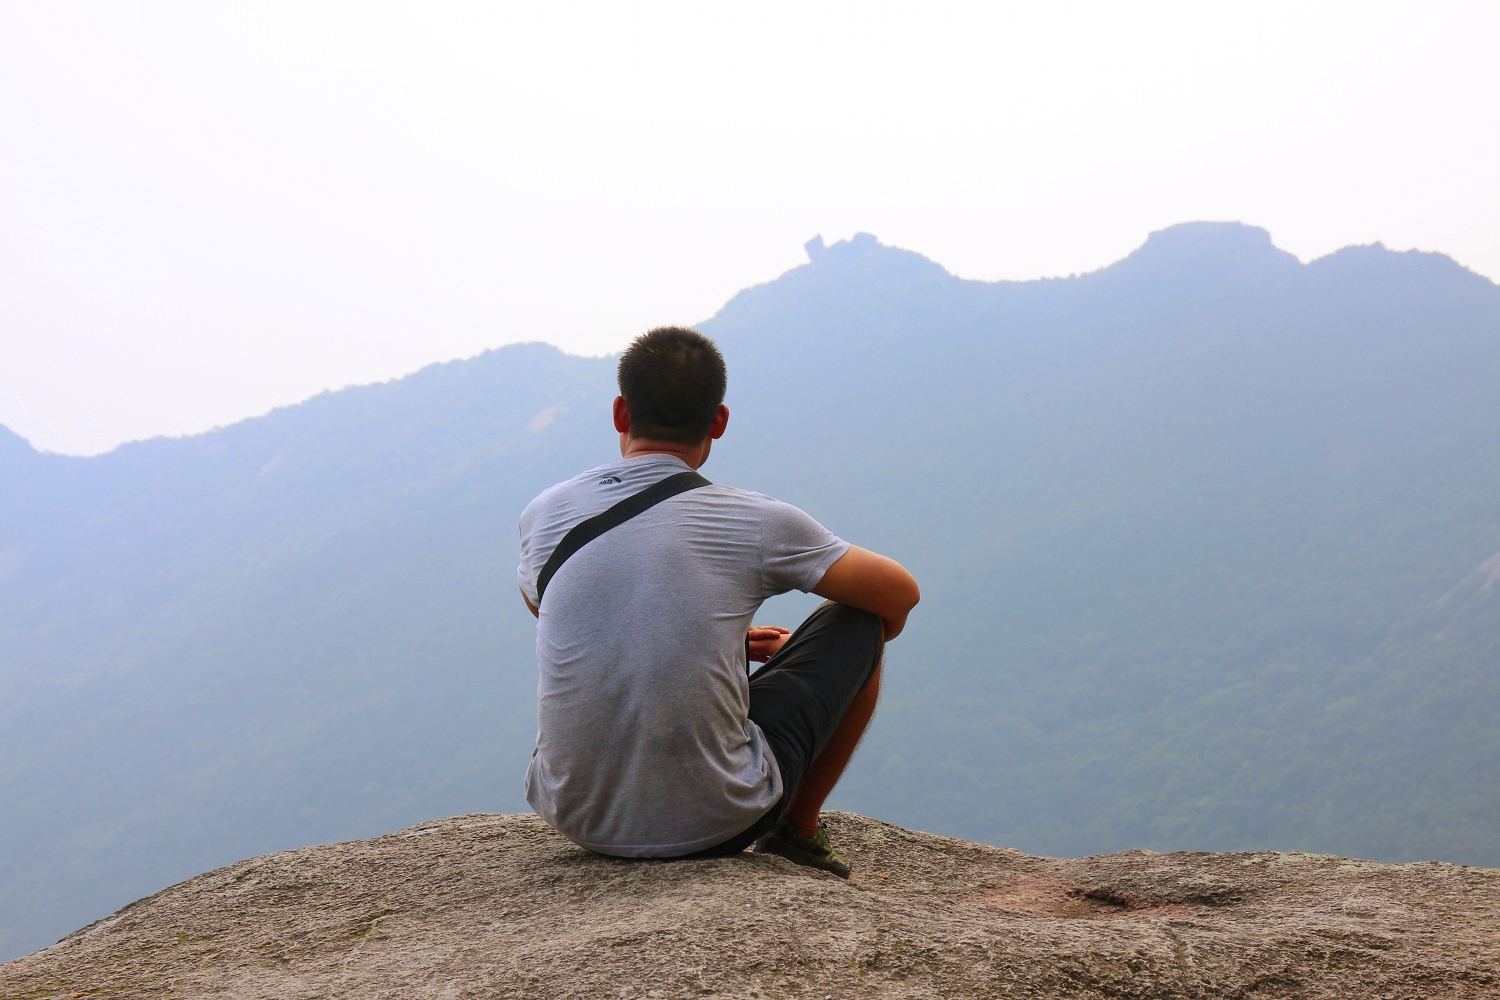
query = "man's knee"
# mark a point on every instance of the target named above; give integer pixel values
(851, 628)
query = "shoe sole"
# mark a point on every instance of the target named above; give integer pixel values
(780, 848)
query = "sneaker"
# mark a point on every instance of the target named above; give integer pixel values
(814, 851)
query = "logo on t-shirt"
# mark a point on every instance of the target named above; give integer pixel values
(609, 479)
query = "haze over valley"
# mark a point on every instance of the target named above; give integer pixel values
(1207, 539)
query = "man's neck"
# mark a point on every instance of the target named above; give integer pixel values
(693, 454)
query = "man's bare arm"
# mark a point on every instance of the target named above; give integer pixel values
(873, 583)
(529, 606)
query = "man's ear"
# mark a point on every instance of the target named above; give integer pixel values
(721, 421)
(622, 415)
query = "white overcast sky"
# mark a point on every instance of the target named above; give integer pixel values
(211, 209)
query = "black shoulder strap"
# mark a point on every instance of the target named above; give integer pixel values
(586, 531)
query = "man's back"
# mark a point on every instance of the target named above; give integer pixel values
(644, 743)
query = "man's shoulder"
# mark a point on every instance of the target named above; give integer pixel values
(724, 493)
(572, 485)
(605, 485)
(564, 497)
(736, 493)
(595, 490)
(775, 518)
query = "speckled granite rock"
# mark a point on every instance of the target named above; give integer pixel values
(499, 906)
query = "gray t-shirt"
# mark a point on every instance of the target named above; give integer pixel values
(644, 743)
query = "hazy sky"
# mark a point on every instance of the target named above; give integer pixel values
(207, 210)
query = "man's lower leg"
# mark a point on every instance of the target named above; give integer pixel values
(825, 772)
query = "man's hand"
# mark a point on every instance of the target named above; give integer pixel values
(765, 640)
(529, 606)
(873, 583)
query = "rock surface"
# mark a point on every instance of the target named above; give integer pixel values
(499, 906)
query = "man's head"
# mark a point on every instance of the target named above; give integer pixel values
(672, 383)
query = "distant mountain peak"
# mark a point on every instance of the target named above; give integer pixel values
(1198, 251)
(844, 250)
(863, 252)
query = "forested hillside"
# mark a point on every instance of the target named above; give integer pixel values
(1208, 544)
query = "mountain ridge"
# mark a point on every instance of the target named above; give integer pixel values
(1171, 253)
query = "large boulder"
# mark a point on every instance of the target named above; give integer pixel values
(499, 905)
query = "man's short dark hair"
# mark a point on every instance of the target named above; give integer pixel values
(673, 380)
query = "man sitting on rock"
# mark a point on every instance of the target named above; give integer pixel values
(653, 740)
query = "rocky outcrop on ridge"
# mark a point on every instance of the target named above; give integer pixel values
(499, 906)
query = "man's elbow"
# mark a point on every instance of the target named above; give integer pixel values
(901, 595)
(908, 594)
(900, 592)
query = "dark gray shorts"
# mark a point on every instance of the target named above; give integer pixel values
(799, 697)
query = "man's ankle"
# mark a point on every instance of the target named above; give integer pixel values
(807, 827)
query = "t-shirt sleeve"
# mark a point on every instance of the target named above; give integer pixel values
(531, 565)
(795, 549)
